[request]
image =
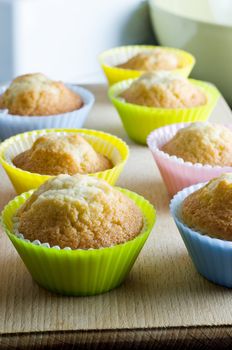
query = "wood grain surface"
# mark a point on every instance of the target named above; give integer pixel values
(164, 298)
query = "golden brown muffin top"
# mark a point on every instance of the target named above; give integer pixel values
(36, 95)
(79, 212)
(202, 143)
(164, 90)
(54, 154)
(209, 209)
(156, 59)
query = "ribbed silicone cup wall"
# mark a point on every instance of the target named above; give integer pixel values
(79, 272)
(211, 257)
(111, 146)
(139, 121)
(111, 58)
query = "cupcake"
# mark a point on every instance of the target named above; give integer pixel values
(32, 158)
(150, 60)
(77, 235)
(203, 216)
(187, 154)
(55, 154)
(129, 62)
(208, 209)
(79, 212)
(202, 143)
(164, 90)
(161, 98)
(36, 95)
(33, 101)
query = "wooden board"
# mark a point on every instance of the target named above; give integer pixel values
(163, 299)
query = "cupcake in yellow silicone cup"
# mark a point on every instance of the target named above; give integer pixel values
(31, 158)
(78, 235)
(128, 62)
(158, 99)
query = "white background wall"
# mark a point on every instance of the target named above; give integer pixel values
(62, 38)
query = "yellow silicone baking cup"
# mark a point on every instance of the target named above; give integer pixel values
(110, 58)
(110, 146)
(139, 121)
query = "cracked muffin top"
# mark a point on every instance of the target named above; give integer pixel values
(156, 59)
(79, 212)
(164, 90)
(202, 143)
(55, 154)
(209, 209)
(36, 95)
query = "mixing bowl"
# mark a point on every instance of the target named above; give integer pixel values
(202, 27)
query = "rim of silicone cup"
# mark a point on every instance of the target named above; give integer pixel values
(211, 92)
(89, 96)
(188, 57)
(147, 209)
(124, 149)
(175, 206)
(154, 146)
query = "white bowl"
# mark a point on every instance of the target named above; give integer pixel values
(202, 27)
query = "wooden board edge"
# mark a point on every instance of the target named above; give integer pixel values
(159, 338)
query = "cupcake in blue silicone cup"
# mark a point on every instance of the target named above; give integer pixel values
(34, 102)
(203, 217)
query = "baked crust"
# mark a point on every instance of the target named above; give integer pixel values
(36, 95)
(202, 143)
(209, 210)
(157, 59)
(79, 212)
(164, 90)
(55, 154)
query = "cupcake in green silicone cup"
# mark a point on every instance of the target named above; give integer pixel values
(78, 235)
(158, 99)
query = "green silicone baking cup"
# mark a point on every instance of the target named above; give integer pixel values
(79, 272)
(140, 121)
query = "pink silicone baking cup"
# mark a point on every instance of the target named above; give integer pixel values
(176, 173)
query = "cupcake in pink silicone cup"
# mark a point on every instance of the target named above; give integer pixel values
(190, 153)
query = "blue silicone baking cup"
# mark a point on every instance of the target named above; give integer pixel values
(13, 124)
(211, 257)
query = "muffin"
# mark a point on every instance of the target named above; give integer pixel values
(86, 213)
(202, 214)
(202, 143)
(80, 212)
(156, 59)
(209, 209)
(54, 154)
(164, 90)
(36, 95)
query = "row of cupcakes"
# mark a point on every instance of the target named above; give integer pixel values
(157, 93)
(27, 249)
(186, 154)
(33, 158)
(195, 163)
(203, 148)
(150, 88)
(76, 234)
